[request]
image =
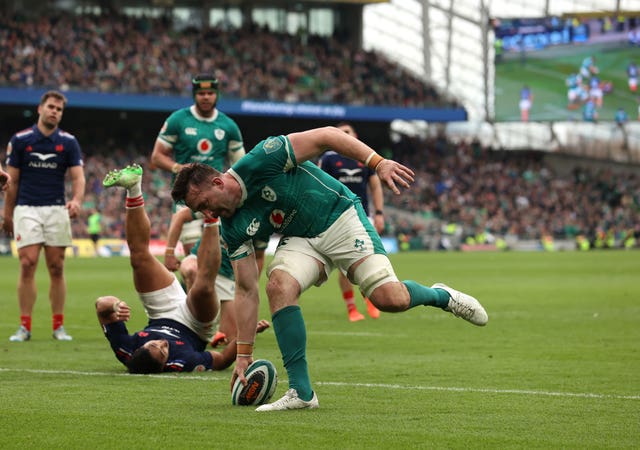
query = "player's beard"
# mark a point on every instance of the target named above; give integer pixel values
(50, 124)
(208, 112)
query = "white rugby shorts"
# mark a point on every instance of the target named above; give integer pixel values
(344, 243)
(171, 303)
(48, 225)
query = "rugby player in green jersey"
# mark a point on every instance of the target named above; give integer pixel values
(275, 188)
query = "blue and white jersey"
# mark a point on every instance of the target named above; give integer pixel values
(43, 162)
(186, 350)
(353, 174)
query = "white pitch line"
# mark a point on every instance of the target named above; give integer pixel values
(337, 383)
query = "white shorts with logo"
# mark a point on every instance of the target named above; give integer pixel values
(171, 303)
(349, 239)
(48, 225)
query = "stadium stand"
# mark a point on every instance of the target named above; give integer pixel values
(122, 54)
(466, 192)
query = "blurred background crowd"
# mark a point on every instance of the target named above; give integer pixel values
(464, 192)
(109, 53)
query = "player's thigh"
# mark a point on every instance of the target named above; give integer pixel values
(349, 240)
(57, 226)
(297, 257)
(149, 274)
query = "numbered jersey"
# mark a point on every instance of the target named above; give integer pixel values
(207, 140)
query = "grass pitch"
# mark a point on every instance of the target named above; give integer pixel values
(545, 73)
(556, 367)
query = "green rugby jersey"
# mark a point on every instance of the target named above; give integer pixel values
(281, 196)
(198, 139)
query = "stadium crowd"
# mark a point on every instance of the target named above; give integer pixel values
(481, 195)
(461, 188)
(125, 54)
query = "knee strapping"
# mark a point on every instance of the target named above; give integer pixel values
(372, 272)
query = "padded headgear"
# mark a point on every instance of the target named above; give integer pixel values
(203, 81)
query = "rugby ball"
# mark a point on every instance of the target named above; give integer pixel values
(262, 380)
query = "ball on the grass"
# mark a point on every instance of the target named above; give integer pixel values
(262, 380)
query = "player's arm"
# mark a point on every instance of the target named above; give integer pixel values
(247, 301)
(162, 157)
(312, 143)
(224, 359)
(110, 309)
(5, 179)
(178, 219)
(377, 198)
(201, 298)
(10, 197)
(78, 183)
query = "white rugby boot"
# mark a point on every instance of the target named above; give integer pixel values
(290, 401)
(464, 306)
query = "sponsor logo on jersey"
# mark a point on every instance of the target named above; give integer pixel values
(253, 227)
(204, 146)
(59, 147)
(43, 165)
(350, 172)
(43, 157)
(219, 134)
(269, 194)
(276, 218)
(271, 145)
(191, 131)
(348, 176)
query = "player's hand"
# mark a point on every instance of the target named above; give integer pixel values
(391, 173)
(122, 311)
(262, 325)
(7, 226)
(378, 223)
(171, 262)
(5, 180)
(242, 363)
(74, 208)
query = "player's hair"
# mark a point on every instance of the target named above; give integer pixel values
(55, 94)
(143, 362)
(346, 124)
(191, 175)
(204, 81)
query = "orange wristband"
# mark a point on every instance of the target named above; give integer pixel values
(244, 348)
(373, 160)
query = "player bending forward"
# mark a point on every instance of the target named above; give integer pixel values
(275, 188)
(180, 325)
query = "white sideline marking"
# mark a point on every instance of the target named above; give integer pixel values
(336, 383)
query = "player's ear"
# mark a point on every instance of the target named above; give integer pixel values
(217, 182)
